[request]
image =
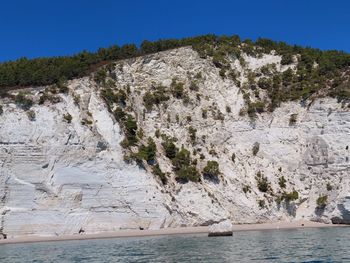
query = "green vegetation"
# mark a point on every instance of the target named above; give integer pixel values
(282, 182)
(262, 182)
(256, 148)
(156, 97)
(292, 196)
(293, 119)
(192, 132)
(67, 117)
(31, 115)
(188, 173)
(169, 148)
(111, 97)
(147, 153)
(246, 189)
(157, 171)
(211, 170)
(261, 203)
(129, 127)
(177, 89)
(86, 121)
(182, 166)
(46, 96)
(316, 70)
(23, 101)
(233, 157)
(329, 187)
(322, 201)
(193, 86)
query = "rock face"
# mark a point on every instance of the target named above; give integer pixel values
(64, 178)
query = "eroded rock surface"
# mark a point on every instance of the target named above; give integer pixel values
(64, 178)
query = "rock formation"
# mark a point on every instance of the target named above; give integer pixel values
(61, 176)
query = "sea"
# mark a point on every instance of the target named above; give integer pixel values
(294, 245)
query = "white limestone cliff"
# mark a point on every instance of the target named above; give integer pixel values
(67, 178)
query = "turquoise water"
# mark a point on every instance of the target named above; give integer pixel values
(298, 245)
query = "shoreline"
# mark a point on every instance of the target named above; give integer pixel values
(200, 230)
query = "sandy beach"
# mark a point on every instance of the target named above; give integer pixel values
(168, 231)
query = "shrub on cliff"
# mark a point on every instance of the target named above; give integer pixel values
(169, 148)
(158, 172)
(262, 182)
(148, 152)
(292, 196)
(187, 173)
(192, 132)
(130, 126)
(293, 119)
(23, 101)
(177, 89)
(155, 97)
(31, 115)
(256, 148)
(321, 201)
(67, 117)
(211, 170)
(282, 182)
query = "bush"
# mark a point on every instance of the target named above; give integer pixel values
(119, 114)
(261, 203)
(194, 86)
(256, 148)
(130, 127)
(24, 102)
(158, 96)
(246, 189)
(177, 89)
(31, 115)
(148, 153)
(233, 157)
(108, 96)
(211, 169)
(265, 83)
(282, 182)
(292, 196)
(86, 122)
(1, 110)
(169, 148)
(329, 187)
(76, 99)
(204, 113)
(100, 76)
(322, 201)
(162, 176)
(287, 59)
(181, 159)
(192, 131)
(67, 117)
(188, 173)
(263, 184)
(62, 85)
(293, 119)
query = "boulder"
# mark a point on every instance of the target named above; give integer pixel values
(223, 228)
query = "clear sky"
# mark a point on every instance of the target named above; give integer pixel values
(35, 28)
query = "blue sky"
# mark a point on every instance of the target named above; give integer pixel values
(60, 27)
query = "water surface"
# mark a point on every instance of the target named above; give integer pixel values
(297, 245)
